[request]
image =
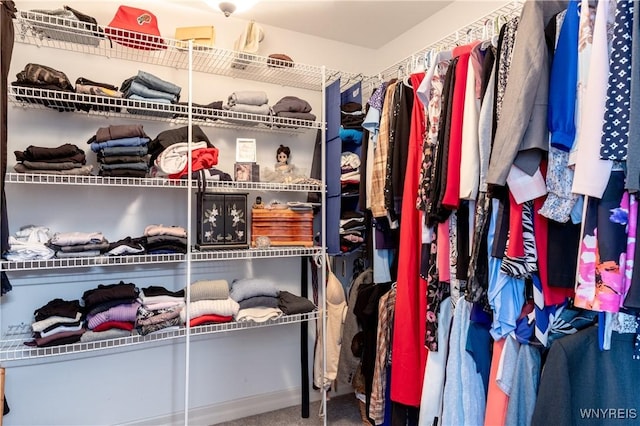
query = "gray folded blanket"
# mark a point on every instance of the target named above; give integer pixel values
(248, 97)
(291, 104)
(250, 109)
(297, 115)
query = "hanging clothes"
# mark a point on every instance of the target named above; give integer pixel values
(409, 353)
(522, 135)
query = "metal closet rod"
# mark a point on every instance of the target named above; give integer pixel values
(477, 28)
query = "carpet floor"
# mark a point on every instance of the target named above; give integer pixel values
(342, 410)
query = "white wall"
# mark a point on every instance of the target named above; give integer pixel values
(147, 382)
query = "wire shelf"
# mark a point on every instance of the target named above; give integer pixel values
(89, 262)
(406, 65)
(221, 186)
(36, 98)
(276, 252)
(196, 256)
(45, 30)
(12, 347)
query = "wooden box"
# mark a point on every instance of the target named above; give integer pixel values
(222, 221)
(284, 227)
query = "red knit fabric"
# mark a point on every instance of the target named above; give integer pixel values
(209, 319)
(201, 159)
(409, 351)
(515, 245)
(451, 198)
(108, 325)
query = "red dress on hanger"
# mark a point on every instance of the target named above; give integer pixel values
(408, 349)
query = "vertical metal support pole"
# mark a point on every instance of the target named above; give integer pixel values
(304, 339)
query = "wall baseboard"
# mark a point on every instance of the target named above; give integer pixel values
(231, 410)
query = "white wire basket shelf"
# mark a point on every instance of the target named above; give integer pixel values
(13, 348)
(90, 262)
(274, 252)
(44, 30)
(196, 256)
(36, 98)
(221, 186)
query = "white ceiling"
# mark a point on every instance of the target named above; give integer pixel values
(368, 24)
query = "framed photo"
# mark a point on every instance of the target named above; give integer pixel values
(243, 172)
(246, 150)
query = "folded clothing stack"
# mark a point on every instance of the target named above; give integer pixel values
(111, 306)
(290, 304)
(210, 303)
(127, 245)
(38, 76)
(58, 322)
(349, 168)
(85, 86)
(159, 309)
(147, 87)
(170, 152)
(293, 107)
(351, 119)
(162, 239)
(352, 228)
(66, 159)
(122, 150)
(78, 244)
(29, 243)
(248, 102)
(256, 310)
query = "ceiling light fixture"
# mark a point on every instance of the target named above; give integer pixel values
(232, 6)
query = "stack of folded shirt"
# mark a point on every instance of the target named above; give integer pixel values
(122, 150)
(352, 229)
(351, 119)
(293, 107)
(111, 306)
(243, 290)
(159, 309)
(29, 243)
(36, 76)
(173, 162)
(200, 111)
(210, 303)
(165, 239)
(127, 245)
(66, 159)
(78, 244)
(147, 87)
(290, 304)
(249, 102)
(180, 135)
(85, 86)
(349, 169)
(59, 322)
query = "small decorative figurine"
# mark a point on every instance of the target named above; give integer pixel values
(282, 156)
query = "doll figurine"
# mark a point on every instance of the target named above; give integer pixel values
(282, 156)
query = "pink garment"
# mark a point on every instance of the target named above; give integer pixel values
(442, 240)
(631, 243)
(601, 285)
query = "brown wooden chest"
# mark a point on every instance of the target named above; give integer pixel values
(284, 227)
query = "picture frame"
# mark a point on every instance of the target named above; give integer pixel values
(244, 172)
(246, 150)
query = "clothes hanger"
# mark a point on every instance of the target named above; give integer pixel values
(409, 71)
